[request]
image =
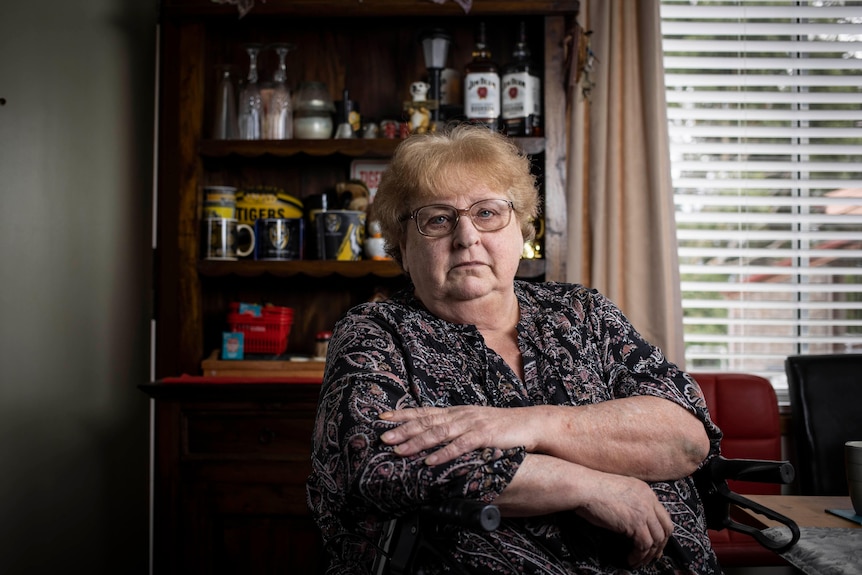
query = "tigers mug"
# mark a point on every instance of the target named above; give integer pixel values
(219, 202)
(278, 238)
(220, 239)
(340, 234)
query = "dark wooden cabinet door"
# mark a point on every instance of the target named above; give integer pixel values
(231, 462)
(247, 518)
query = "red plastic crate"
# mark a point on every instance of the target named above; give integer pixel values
(265, 334)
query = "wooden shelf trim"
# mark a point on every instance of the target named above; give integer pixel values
(377, 147)
(327, 268)
(312, 268)
(249, 394)
(352, 8)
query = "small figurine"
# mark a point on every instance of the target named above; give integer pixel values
(419, 109)
(374, 246)
(419, 91)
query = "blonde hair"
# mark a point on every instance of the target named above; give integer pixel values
(423, 168)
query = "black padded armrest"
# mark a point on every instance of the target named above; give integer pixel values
(717, 497)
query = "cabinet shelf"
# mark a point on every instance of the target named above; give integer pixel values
(312, 268)
(378, 148)
(352, 8)
(326, 268)
(359, 147)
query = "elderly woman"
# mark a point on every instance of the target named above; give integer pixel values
(539, 397)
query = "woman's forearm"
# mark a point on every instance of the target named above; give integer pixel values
(645, 437)
(649, 438)
(542, 485)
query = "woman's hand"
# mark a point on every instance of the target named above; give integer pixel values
(625, 505)
(459, 429)
(628, 506)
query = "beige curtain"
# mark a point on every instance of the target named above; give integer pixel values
(622, 231)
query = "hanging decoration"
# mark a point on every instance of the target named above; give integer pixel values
(585, 63)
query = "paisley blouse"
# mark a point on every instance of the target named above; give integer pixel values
(577, 348)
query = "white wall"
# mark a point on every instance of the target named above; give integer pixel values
(76, 118)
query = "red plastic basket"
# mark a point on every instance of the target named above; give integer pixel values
(265, 334)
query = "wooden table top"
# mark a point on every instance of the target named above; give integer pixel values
(806, 510)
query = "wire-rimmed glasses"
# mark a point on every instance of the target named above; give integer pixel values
(440, 220)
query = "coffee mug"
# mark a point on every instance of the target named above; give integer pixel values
(340, 234)
(219, 239)
(278, 238)
(219, 202)
(853, 462)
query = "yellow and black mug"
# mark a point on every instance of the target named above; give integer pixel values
(340, 234)
(219, 202)
(219, 239)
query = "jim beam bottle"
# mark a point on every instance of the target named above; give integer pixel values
(522, 92)
(482, 85)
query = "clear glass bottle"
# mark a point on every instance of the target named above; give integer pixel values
(225, 125)
(522, 92)
(482, 85)
(250, 104)
(277, 100)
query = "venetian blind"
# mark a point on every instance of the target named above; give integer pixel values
(765, 119)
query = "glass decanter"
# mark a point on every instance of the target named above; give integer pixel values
(250, 105)
(277, 106)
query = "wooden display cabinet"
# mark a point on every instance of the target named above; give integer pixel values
(372, 49)
(231, 460)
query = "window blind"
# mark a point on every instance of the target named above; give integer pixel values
(765, 120)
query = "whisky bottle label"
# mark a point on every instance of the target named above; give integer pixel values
(522, 95)
(482, 95)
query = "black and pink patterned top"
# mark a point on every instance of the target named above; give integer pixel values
(577, 347)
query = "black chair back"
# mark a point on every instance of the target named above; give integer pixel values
(826, 406)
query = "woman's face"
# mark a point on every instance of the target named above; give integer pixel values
(466, 264)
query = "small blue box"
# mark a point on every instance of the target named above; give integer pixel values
(233, 344)
(251, 309)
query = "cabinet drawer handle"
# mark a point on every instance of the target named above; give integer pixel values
(266, 436)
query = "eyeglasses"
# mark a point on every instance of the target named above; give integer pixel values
(440, 220)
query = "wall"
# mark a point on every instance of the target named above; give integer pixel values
(76, 123)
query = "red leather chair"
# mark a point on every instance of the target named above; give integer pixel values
(745, 407)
